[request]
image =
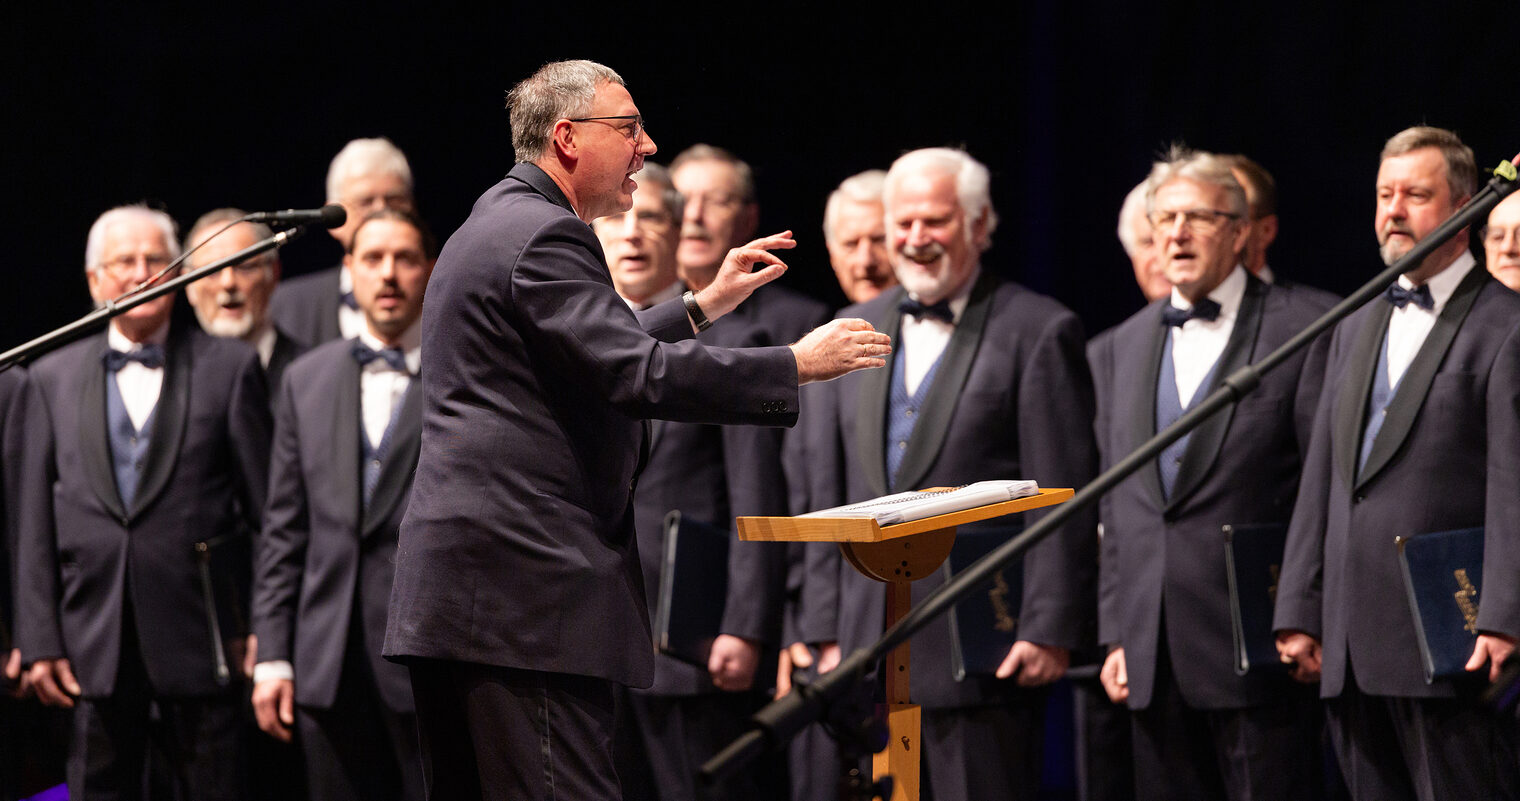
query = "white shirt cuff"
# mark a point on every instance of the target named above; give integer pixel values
(273, 671)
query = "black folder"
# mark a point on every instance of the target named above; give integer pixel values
(1253, 557)
(985, 625)
(693, 588)
(1443, 572)
(225, 565)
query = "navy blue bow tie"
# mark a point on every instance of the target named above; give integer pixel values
(364, 354)
(147, 356)
(350, 301)
(1204, 309)
(938, 311)
(1419, 296)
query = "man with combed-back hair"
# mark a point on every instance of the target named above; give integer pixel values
(365, 176)
(987, 382)
(1200, 730)
(145, 465)
(1416, 432)
(518, 601)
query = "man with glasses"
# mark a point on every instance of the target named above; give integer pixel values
(146, 455)
(710, 474)
(235, 301)
(1501, 242)
(519, 599)
(1417, 432)
(365, 176)
(1198, 729)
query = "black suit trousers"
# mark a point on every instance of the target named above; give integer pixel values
(491, 732)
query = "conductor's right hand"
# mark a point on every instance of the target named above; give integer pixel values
(839, 347)
(53, 681)
(274, 707)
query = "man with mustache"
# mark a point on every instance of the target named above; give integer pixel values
(235, 301)
(710, 474)
(1416, 432)
(987, 382)
(519, 602)
(346, 439)
(1198, 729)
(1501, 242)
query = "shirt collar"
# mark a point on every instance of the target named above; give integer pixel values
(264, 342)
(960, 299)
(1445, 282)
(410, 345)
(1228, 294)
(118, 341)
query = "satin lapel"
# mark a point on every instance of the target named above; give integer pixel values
(939, 407)
(400, 462)
(1352, 394)
(346, 426)
(1410, 395)
(871, 406)
(1203, 448)
(94, 440)
(170, 417)
(1143, 425)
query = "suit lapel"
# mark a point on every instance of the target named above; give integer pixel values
(400, 461)
(1351, 400)
(94, 440)
(1142, 425)
(1203, 447)
(346, 416)
(1410, 395)
(871, 405)
(169, 419)
(939, 407)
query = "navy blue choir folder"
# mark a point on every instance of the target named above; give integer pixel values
(693, 588)
(1442, 575)
(1253, 557)
(984, 626)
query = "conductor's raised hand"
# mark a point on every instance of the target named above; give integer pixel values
(744, 270)
(839, 347)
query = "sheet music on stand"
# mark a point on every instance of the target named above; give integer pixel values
(904, 507)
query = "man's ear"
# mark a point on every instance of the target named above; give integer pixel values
(1266, 230)
(564, 141)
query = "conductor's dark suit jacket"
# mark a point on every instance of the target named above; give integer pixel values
(12, 405)
(1447, 457)
(1166, 556)
(324, 563)
(85, 553)
(518, 547)
(1012, 399)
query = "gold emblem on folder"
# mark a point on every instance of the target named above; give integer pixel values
(998, 595)
(1466, 596)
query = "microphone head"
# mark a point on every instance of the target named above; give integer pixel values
(332, 216)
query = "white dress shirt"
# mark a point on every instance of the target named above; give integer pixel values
(923, 339)
(139, 384)
(381, 387)
(265, 346)
(1198, 344)
(1408, 327)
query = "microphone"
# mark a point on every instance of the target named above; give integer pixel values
(330, 216)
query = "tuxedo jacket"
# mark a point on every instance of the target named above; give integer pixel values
(715, 473)
(306, 307)
(1164, 557)
(326, 561)
(1446, 457)
(518, 545)
(286, 349)
(88, 556)
(1012, 399)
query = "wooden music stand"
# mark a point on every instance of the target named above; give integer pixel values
(897, 555)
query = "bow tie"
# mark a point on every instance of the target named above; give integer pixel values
(393, 357)
(1419, 296)
(938, 311)
(147, 355)
(1204, 309)
(349, 300)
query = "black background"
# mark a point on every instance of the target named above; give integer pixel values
(193, 108)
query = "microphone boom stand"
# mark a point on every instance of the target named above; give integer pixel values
(61, 336)
(780, 720)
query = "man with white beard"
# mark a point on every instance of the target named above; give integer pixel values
(235, 301)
